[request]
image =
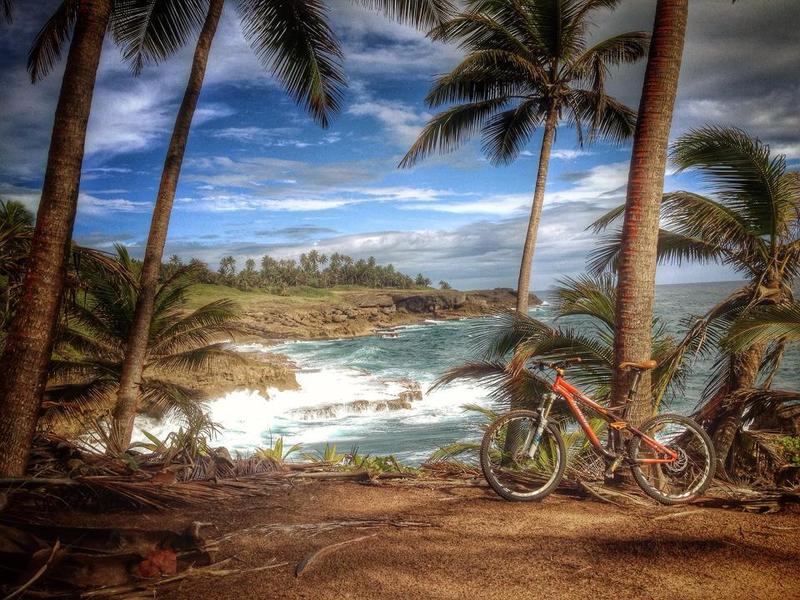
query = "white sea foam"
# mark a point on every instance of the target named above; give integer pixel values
(324, 409)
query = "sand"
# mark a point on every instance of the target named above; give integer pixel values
(479, 546)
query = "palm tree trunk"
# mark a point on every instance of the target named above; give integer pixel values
(31, 334)
(744, 370)
(133, 365)
(637, 263)
(524, 281)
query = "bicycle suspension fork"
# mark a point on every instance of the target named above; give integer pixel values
(534, 437)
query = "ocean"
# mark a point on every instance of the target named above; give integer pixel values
(344, 383)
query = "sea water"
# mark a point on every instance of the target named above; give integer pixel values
(343, 384)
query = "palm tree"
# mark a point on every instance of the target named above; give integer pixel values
(751, 225)
(527, 66)
(637, 265)
(31, 333)
(295, 41)
(30, 337)
(586, 307)
(87, 362)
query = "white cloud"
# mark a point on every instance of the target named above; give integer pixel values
(568, 154)
(401, 121)
(242, 202)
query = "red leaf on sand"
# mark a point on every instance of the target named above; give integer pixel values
(160, 562)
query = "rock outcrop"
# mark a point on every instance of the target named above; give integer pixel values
(365, 312)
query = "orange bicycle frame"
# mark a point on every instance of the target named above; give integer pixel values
(574, 398)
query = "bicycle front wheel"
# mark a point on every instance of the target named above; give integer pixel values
(519, 464)
(680, 479)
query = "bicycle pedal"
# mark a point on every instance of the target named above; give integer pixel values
(611, 469)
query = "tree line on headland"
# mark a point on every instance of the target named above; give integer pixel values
(312, 269)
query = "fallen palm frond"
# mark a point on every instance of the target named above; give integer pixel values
(306, 562)
(325, 526)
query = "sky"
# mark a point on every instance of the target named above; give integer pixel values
(260, 177)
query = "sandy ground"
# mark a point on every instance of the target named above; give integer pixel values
(479, 546)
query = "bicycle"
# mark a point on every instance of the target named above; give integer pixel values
(523, 456)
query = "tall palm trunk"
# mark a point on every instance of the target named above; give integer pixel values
(637, 262)
(524, 281)
(31, 334)
(133, 365)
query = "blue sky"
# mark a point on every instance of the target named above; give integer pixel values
(260, 177)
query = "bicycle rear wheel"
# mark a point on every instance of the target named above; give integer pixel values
(682, 479)
(517, 465)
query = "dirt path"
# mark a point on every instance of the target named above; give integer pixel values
(481, 547)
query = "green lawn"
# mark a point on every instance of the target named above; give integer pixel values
(203, 293)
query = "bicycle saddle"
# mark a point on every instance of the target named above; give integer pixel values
(644, 365)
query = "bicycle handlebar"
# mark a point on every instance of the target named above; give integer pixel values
(562, 364)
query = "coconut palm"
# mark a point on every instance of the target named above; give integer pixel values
(31, 333)
(87, 362)
(749, 223)
(586, 307)
(528, 66)
(637, 267)
(293, 40)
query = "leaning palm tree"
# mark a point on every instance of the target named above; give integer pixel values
(87, 363)
(528, 66)
(750, 224)
(295, 41)
(637, 267)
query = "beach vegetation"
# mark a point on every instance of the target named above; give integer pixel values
(277, 451)
(85, 369)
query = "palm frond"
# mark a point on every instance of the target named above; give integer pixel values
(623, 48)
(149, 31)
(507, 133)
(7, 10)
(602, 223)
(479, 30)
(742, 173)
(484, 75)
(450, 128)
(200, 327)
(419, 13)
(72, 401)
(601, 115)
(46, 49)
(293, 38)
(196, 359)
(672, 248)
(589, 296)
(697, 216)
(162, 398)
(765, 325)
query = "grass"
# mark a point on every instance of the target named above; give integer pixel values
(203, 293)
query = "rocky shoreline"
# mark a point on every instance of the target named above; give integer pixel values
(361, 313)
(353, 314)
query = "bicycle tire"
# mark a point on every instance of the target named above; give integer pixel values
(489, 471)
(644, 480)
